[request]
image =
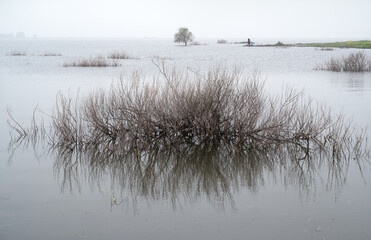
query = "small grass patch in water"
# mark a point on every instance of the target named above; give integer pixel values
(119, 55)
(92, 62)
(51, 54)
(18, 53)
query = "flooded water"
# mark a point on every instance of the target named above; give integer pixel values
(205, 195)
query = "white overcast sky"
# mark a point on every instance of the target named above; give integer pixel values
(205, 18)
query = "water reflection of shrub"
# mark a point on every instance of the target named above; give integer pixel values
(188, 174)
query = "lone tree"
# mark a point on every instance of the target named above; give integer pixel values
(183, 36)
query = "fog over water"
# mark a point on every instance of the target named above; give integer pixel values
(189, 192)
(206, 19)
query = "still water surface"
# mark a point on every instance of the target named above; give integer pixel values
(46, 196)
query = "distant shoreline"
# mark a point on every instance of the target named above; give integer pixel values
(363, 44)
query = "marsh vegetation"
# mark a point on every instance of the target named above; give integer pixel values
(354, 62)
(365, 44)
(219, 108)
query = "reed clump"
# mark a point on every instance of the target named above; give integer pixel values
(219, 108)
(92, 62)
(354, 62)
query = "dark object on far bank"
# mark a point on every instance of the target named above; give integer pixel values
(354, 62)
(249, 43)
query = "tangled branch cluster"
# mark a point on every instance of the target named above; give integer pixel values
(217, 108)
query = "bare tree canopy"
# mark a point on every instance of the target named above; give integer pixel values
(183, 36)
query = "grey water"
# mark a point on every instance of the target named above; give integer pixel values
(43, 197)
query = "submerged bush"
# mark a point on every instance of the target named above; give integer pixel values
(92, 62)
(354, 62)
(220, 108)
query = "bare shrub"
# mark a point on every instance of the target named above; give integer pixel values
(92, 62)
(119, 55)
(220, 108)
(354, 62)
(333, 65)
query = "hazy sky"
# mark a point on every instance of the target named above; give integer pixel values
(205, 18)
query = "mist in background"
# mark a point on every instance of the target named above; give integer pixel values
(206, 19)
